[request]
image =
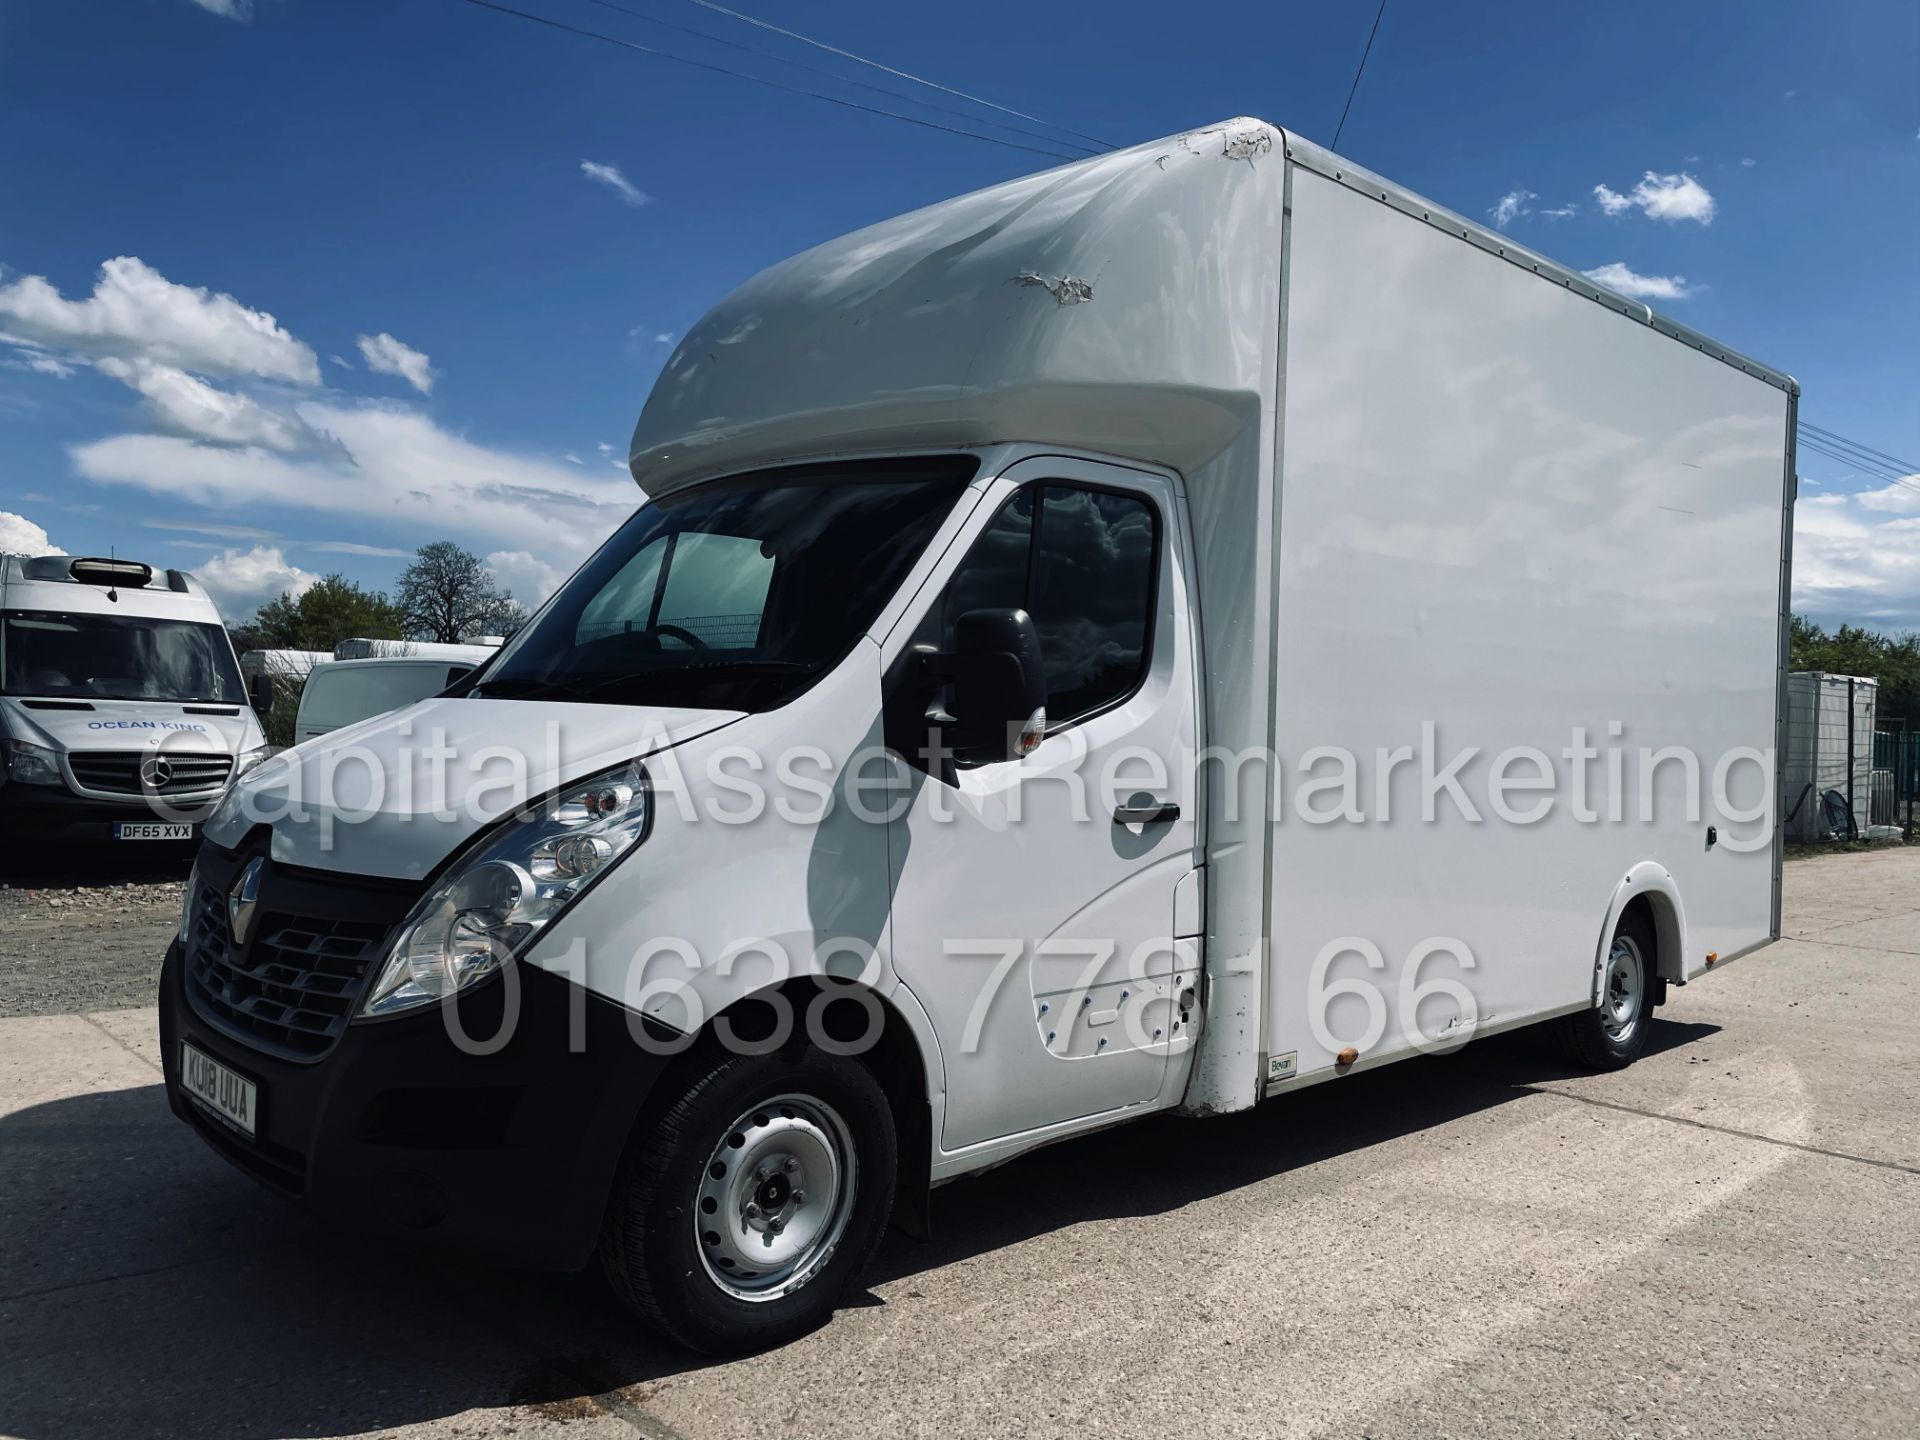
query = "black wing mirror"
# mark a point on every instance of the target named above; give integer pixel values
(999, 699)
(260, 694)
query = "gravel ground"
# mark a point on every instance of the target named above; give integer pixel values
(74, 944)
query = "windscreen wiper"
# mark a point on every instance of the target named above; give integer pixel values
(573, 686)
(743, 669)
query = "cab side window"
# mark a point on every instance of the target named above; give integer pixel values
(1083, 564)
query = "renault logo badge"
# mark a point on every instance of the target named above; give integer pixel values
(242, 899)
(155, 772)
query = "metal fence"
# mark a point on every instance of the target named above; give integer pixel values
(1843, 776)
(1896, 778)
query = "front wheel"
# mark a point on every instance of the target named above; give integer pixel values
(743, 1214)
(1613, 1034)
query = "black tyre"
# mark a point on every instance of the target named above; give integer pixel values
(1613, 1034)
(742, 1214)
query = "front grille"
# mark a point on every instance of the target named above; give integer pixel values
(294, 987)
(118, 772)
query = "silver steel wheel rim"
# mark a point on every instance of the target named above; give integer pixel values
(1621, 988)
(775, 1197)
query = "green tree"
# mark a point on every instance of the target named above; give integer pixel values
(329, 611)
(1853, 650)
(446, 594)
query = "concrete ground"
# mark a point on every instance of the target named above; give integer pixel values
(1723, 1240)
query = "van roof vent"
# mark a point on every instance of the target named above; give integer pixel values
(44, 567)
(95, 571)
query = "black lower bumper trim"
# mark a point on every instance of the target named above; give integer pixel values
(509, 1155)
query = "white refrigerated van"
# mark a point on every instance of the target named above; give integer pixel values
(1154, 635)
(365, 649)
(122, 710)
(345, 692)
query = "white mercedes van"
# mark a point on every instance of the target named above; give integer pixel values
(1139, 638)
(122, 712)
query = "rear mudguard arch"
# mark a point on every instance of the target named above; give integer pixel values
(1652, 882)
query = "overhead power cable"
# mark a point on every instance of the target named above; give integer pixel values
(774, 55)
(637, 47)
(1861, 459)
(901, 74)
(1352, 89)
(1905, 467)
(1852, 457)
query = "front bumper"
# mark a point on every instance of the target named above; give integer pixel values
(398, 1130)
(46, 812)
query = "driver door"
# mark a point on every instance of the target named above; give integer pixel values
(1033, 900)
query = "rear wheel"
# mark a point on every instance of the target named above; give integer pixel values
(745, 1212)
(1613, 1034)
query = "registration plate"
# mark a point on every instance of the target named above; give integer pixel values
(149, 830)
(234, 1098)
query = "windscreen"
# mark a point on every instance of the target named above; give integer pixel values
(52, 654)
(735, 594)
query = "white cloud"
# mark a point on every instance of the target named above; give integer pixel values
(354, 547)
(572, 459)
(185, 405)
(665, 337)
(1900, 497)
(341, 361)
(525, 576)
(384, 462)
(1857, 557)
(229, 9)
(1619, 278)
(1511, 207)
(136, 313)
(241, 581)
(210, 527)
(1561, 212)
(1749, 162)
(610, 176)
(604, 448)
(20, 536)
(1661, 197)
(45, 364)
(388, 356)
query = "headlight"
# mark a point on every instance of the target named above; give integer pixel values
(186, 905)
(507, 889)
(32, 764)
(250, 758)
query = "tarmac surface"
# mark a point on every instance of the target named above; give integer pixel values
(1723, 1240)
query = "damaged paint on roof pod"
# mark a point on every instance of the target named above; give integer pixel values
(1067, 290)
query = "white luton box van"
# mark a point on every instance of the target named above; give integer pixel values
(1155, 635)
(122, 710)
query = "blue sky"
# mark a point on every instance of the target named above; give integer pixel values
(295, 286)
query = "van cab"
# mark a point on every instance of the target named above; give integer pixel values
(123, 716)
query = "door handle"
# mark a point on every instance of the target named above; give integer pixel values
(1153, 813)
